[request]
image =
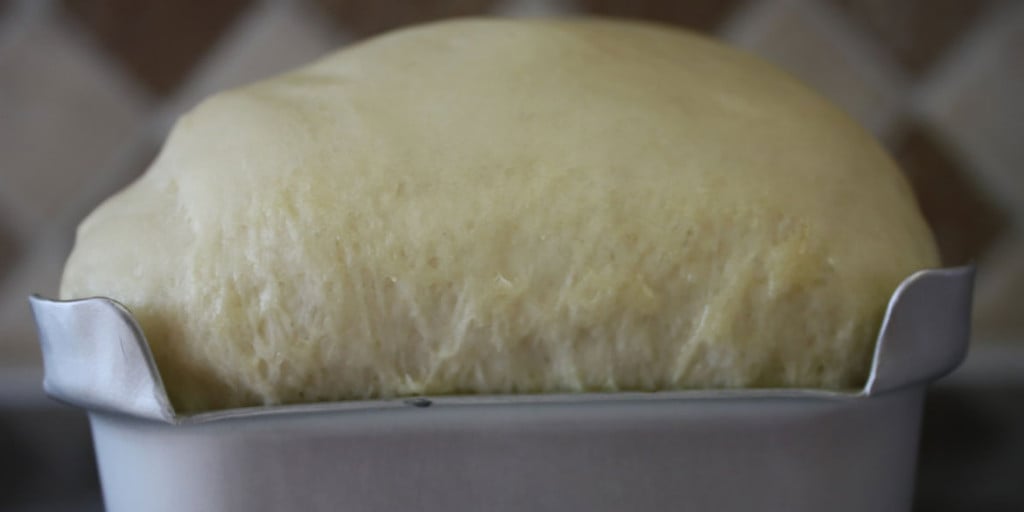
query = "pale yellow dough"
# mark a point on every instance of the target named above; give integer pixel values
(485, 206)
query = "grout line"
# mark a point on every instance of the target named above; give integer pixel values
(969, 55)
(105, 62)
(163, 113)
(22, 17)
(177, 104)
(883, 77)
(157, 118)
(30, 225)
(869, 58)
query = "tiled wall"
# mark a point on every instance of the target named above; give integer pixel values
(88, 90)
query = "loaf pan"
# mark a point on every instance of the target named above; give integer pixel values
(721, 450)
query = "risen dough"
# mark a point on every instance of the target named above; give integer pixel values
(486, 206)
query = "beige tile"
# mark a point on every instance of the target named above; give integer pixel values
(269, 39)
(815, 44)
(975, 100)
(66, 111)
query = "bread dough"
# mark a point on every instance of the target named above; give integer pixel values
(488, 206)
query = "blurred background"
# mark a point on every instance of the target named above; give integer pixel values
(89, 89)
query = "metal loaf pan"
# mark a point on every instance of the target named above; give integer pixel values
(776, 449)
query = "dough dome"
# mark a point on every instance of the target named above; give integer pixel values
(489, 206)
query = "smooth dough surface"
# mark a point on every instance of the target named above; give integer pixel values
(487, 206)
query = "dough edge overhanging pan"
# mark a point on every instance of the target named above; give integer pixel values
(765, 449)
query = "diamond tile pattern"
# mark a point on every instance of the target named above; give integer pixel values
(977, 104)
(823, 52)
(89, 88)
(158, 41)
(252, 50)
(368, 17)
(66, 112)
(917, 32)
